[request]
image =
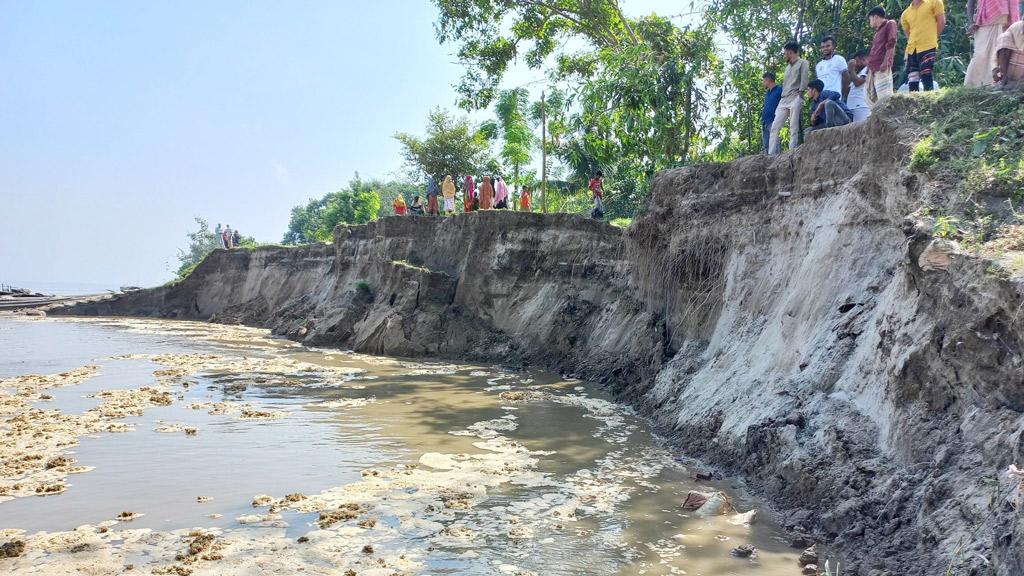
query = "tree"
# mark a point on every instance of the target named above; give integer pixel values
(452, 146)
(358, 203)
(513, 129)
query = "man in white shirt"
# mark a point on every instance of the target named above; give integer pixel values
(858, 74)
(832, 68)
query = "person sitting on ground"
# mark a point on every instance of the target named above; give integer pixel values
(236, 239)
(827, 107)
(832, 69)
(879, 86)
(597, 189)
(1010, 55)
(772, 96)
(923, 22)
(794, 84)
(399, 205)
(500, 194)
(416, 208)
(855, 99)
(448, 191)
(524, 200)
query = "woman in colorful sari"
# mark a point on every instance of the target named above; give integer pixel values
(524, 200)
(432, 193)
(486, 194)
(399, 205)
(500, 194)
(469, 193)
(448, 191)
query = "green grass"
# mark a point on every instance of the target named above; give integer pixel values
(621, 222)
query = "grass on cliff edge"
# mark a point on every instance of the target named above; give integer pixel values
(974, 151)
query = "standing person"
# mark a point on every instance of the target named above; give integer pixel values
(500, 194)
(448, 190)
(416, 208)
(597, 189)
(227, 236)
(880, 59)
(486, 194)
(827, 107)
(236, 239)
(794, 84)
(432, 193)
(220, 235)
(855, 99)
(986, 20)
(922, 22)
(772, 96)
(1010, 55)
(525, 199)
(399, 205)
(832, 69)
(468, 192)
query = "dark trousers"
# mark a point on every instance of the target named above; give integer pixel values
(766, 136)
(919, 70)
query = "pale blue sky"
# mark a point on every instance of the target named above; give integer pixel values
(121, 121)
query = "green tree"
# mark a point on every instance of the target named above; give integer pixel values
(513, 129)
(451, 146)
(358, 203)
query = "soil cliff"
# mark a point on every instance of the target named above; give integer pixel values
(779, 318)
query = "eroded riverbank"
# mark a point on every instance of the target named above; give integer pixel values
(231, 450)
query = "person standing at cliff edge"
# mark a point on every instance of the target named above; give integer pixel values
(226, 236)
(832, 69)
(524, 200)
(855, 99)
(986, 20)
(486, 194)
(399, 205)
(794, 84)
(772, 96)
(432, 192)
(922, 22)
(880, 58)
(597, 189)
(236, 239)
(500, 194)
(219, 231)
(448, 191)
(468, 193)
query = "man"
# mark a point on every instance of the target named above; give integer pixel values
(827, 108)
(832, 68)
(794, 84)
(227, 237)
(772, 96)
(1010, 55)
(220, 235)
(858, 74)
(922, 22)
(883, 50)
(597, 188)
(987, 19)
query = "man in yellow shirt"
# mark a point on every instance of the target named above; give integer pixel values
(922, 22)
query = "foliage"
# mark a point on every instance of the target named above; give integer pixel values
(452, 146)
(945, 227)
(621, 222)
(923, 156)
(360, 202)
(513, 129)
(200, 243)
(364, 288)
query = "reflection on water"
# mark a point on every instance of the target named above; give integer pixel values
(615, 491)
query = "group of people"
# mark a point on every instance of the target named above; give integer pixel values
(845, 91)
(228, 238)
(492, 194)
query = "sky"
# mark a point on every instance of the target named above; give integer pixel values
(122, 121)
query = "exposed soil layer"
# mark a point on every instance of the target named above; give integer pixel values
(780, 318)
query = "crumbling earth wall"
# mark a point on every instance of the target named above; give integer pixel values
(772, 315)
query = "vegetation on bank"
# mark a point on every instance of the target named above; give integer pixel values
(974, 153)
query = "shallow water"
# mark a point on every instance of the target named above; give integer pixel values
(342, 413)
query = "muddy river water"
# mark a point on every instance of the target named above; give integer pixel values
(164, 447)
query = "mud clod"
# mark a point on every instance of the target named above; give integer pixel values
(12, 549)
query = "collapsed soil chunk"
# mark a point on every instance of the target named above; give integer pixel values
(12, 549)
(344, 513)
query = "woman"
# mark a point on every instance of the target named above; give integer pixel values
(448, 190)
(236, 239)
(524, 199)
(486, 194)
(469, 193)
(399, 205)
(500, 194)
(432, 193)
(416, 209)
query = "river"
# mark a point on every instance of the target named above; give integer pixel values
(192, 448)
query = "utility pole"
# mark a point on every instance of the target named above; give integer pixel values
(543, 155)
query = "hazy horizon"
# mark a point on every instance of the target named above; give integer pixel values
(124, 121)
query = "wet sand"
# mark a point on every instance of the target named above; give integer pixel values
(230, 450)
